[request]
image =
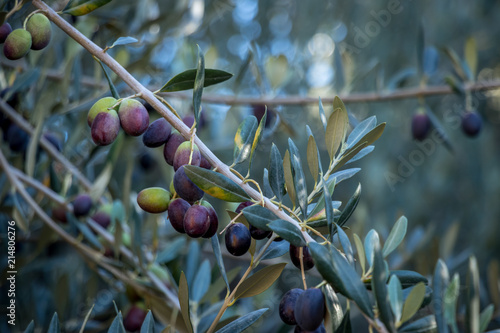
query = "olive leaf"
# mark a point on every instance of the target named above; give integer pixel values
(186, 79)
(259, 281)
(216, 184)
(83, 7)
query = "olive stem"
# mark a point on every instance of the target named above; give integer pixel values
(45, 144)
(229, 300)
(301, 259)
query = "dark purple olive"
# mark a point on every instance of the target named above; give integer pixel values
(307, 258)
(185, 188)
(82, 205)
(196, 221)
(471, 124)
(134, 318)
(310, 309)
(157, 133)
(238, 239)
(287, 306)
(176, 211)
(420, 126)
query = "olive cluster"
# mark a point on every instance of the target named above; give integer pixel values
(82, 207)
(35, 36)
(107, 116)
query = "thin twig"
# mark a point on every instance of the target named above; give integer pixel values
(97, 228)
(351, 98)
(45, 144)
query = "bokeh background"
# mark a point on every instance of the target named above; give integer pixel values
(277, 49)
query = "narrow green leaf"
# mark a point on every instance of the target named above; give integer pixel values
(439, 284)
(276, 249)
(242, 323)
(356, 290)
(327, 202)
(124, 41)
(347, 156)
(186, 79)
(486, 316)
(361, 253)
(379, 278)
(323, 262)
(423, 325)
(83, 7)
(199, 82)
(266, 185)
(260, 281)
(312, 158)
(457, 66)
(451, 297)
(171, 251)
(259, 217)
(218, 257)
(85, 230)
(409, 278)
(369, 137)
(193, 262)
(362, 153)
(343, 175)
(360, 130)
(184, 302)
(338, 104)
(428, 295)
(244, 138)
(258, 135)
(216, 184)
(345, 325)
(322, 115)
(201, 281)
(30, 328)
(22, 82)
(372, 240)
(335, 269)
(350, 207)
(299, 179)
(346, 245)
(317, 210)
(148, 325)
(413, 302)
(396, 236)
(276, 173)
(117, 324)
(54, 324)
(396, 297)
(287, 168)
(472, 311)
(471, 56)
(336, 130)
(288, 232)
(431, 60)
(335, 313)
